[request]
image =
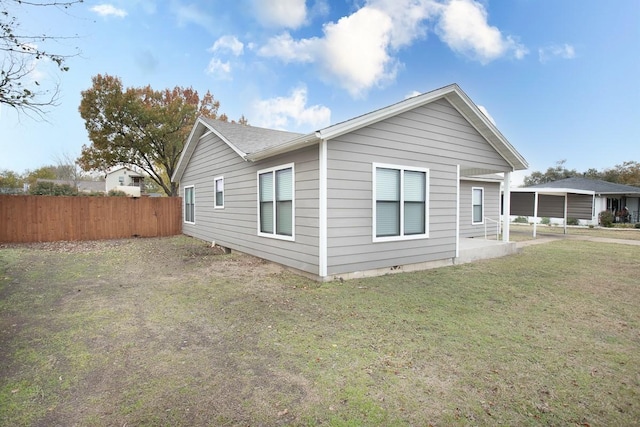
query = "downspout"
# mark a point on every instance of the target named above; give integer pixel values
(506, 214)
(322, 207)
(457, 211)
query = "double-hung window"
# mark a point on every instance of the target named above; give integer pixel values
(218, 200)
(276, 202)
(400, 204)
(189, 204)
(477, 202)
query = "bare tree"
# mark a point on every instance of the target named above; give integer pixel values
(20, 53)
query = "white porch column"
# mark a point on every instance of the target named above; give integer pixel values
(506, 207)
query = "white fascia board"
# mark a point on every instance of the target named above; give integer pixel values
(384, 113)
(551, 190)
(197, 132)
(187, 151)
(488, 130)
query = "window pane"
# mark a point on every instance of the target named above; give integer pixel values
(477, 196)
(266, 217)
(387, 218)
(414, 183)
(387, 184)
(219, 198)
(284, 184)
(266, 187)
(477, 213)
(414, 221)
(477, 205)
(284, 218)
(219, 185)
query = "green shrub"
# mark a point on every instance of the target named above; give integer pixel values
(637, 225)
(521, 220)
(52, 189)
(606, 219)
(117, 193)
(573, 221)
(545, 221)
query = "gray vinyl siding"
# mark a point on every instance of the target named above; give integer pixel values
(434, 136)
(236, 226)
(491, 208)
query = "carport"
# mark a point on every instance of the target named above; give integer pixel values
(553, 203)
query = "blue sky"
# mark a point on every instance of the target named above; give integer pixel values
(559, 78)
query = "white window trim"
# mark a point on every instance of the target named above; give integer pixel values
(273, 170)
(401, 237)
(473, 189)
(215, 190)
(184, 204)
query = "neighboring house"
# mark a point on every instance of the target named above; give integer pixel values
(390, 190)
(577, 197)
(81, 186)
(125, 179)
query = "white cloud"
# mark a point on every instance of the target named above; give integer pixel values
(486, 113)
(280, 13)
(287, 49)
(292, 111)
(408, 17)
(229, 44)
(564, 51)
(358, 51)
(463, 26)
(219, 69)
(353, 51)
(108, 10)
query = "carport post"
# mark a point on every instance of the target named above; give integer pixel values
(566, 197)
(535, 212)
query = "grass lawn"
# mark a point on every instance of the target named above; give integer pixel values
(519, 232)
(167, 332)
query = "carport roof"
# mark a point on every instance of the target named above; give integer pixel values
(595, 186)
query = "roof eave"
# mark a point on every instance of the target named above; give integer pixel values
(488, 130)
(295, 144)
(192, 142)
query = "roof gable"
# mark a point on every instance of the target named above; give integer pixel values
(253, 143)
(243, 139)
(452, 93)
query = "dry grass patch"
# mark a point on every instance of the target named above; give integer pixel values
(169, 332)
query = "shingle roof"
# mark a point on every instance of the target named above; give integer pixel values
(83, 186)
(596, 185)
(250, 139)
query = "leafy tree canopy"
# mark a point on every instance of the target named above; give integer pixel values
(140, 127)
(21, 50)
(627, 173)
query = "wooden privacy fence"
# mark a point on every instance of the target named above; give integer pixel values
(51, 218)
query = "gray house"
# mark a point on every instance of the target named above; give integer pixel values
(577, 197)
(395, 189)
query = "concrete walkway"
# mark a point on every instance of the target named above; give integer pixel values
(547, 238)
